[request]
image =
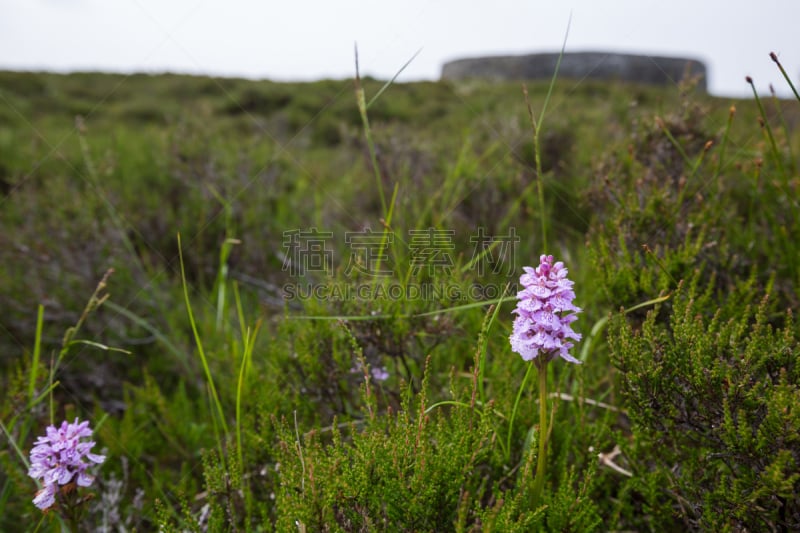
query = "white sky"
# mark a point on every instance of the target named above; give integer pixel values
(306, 40)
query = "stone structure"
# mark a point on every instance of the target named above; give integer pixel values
(578, 65)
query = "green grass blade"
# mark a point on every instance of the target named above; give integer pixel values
(362, 110)
(484, 340)
(537, 129)
(454, 309)
(99, 346)
(201, 352)
(180, 355)
(514, 409)
(16, 447)
(391, 81)
(37, 350)
(767, 128)
(446, 402)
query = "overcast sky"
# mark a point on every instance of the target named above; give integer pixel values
(306, 40)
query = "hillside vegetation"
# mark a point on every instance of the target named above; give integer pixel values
(280, 311)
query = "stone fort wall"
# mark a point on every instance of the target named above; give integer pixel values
(579, 65)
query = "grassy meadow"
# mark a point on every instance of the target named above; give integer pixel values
(287, 306)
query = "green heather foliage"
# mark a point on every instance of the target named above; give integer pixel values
(220, 405)
(712, 396)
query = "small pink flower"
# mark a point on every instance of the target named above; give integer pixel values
(545, 312)
(58, 459)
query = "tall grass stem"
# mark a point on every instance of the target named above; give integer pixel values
(201, 352)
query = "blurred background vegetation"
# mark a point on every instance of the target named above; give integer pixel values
(649, 192)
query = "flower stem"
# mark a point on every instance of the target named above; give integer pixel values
(541, 461)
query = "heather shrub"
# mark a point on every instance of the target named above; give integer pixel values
(711, 393)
